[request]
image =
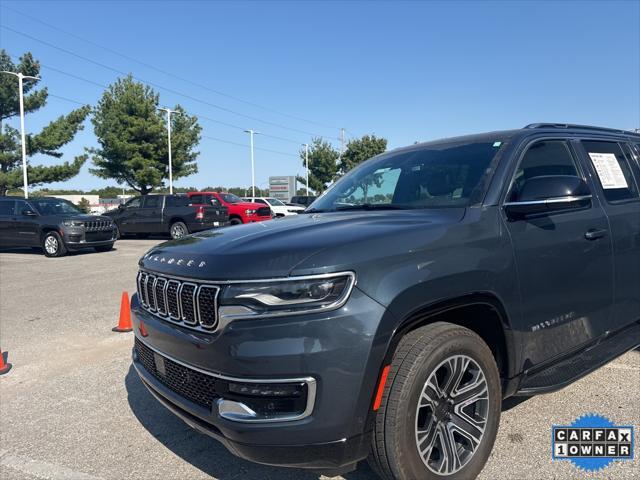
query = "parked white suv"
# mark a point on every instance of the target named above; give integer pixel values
(278, 208)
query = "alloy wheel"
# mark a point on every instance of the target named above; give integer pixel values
(177, 231)
(51, 245)
(451, 415)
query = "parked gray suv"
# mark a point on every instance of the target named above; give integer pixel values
(52, 225)
(392, 318)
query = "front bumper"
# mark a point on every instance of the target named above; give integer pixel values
(336, 349)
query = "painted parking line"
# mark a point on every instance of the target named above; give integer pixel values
(41, 469)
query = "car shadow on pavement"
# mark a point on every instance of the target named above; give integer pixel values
(203, 452)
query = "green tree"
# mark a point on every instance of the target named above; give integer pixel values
(48, 142)
(322, 165)
(132, 134)
(84, 205)
(361, 149)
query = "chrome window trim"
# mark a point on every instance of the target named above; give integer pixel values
(567, 199)
(309, 381)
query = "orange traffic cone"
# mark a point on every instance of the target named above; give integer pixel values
(124, 325)
(4, 367)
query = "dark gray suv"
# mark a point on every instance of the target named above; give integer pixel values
(53, 225)
(392, 318)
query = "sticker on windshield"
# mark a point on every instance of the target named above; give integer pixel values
(609, 171)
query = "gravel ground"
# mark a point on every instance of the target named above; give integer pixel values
(72, 407)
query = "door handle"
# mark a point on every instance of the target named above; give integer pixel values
(594, 234)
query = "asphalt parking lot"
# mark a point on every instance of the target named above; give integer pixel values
(73, 408)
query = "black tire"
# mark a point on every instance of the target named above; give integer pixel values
(52, 245)
(178, 230)
(428, 354)
(104, 248)
(235, 221)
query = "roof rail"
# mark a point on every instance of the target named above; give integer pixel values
(580, 127)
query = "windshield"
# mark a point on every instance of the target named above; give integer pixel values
(275, 201)
(230, 198)
(446, 175)
(54, 206)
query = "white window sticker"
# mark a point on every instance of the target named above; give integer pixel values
(609, 171)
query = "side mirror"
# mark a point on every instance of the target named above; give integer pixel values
(29, 213)
(549, 193)
(120, 207)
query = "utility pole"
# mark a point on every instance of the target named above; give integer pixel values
(306, 162)
(341, 144)
(169, 112)
(253, 169)
(21, 77)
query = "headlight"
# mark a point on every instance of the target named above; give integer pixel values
(72, 223)
(286, 297)
(249, 212)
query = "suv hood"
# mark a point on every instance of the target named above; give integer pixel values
(249, 205)
(307, 243)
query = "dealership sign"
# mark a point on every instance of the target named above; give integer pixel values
(282, 188)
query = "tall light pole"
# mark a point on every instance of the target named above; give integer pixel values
(253, 168)
(21, 77)
(306, 162)
(169, 112)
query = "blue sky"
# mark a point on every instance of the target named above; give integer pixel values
(406, 71)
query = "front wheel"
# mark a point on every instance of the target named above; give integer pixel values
(440, 408)
(178, 230)
(235, 221)
(52, 245)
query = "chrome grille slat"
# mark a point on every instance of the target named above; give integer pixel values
(160, 293)
(190, 304)
(206, 303)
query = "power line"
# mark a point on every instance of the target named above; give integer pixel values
(200, 116)
(165, 72)
(161, 87)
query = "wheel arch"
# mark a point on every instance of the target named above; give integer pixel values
(480, 312)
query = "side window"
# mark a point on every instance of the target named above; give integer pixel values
(212, 200)
(152, 201)
(613, 170)
(548, 157)
(133, 203)
(7, 207)
(259, 200)
(20, 206)
(197, 199)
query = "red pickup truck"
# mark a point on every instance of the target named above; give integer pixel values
(239, 210)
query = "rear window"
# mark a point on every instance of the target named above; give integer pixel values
(613, 170)
(6, 207)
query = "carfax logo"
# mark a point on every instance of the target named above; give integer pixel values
(592, 442)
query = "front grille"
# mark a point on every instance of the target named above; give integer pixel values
(190, 304)
(264, 211)
(186, 382)
(98, 225)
